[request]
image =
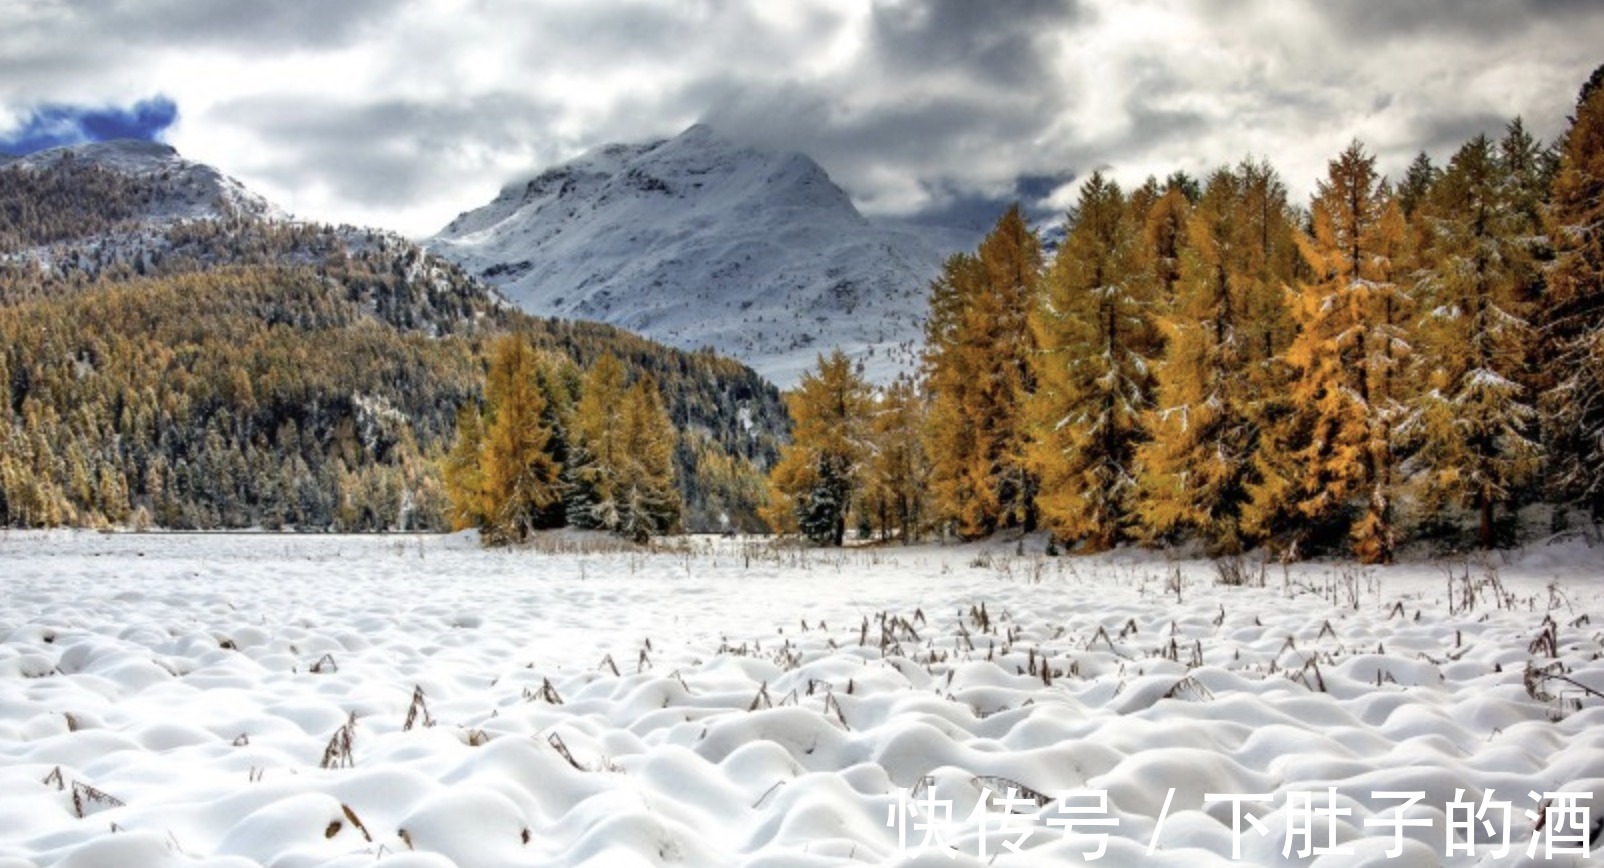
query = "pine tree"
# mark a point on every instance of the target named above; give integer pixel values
(1472, 421)
(977, 372)
(1330, 461)
(1093, 372)
(818, 476)
(1417, 183)
(1573, 327)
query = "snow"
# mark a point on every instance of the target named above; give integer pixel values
(188, 191)
(699, 241)
(173, 700)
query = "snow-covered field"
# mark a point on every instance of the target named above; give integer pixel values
(415, 701)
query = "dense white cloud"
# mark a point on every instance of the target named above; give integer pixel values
(404, 113)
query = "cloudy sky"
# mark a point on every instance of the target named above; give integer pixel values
(401, 113)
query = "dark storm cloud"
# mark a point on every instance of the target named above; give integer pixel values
(939, 109)
(943, 91)
(950, 144)
(917, 129)
(277, 24)
(52, 125)
(1001, 44)
(73, 43)
(1479, 20)
(959, 207)
(1445, 133)
(1155, 123)
(384, 153)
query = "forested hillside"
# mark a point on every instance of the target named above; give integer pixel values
(175, 361)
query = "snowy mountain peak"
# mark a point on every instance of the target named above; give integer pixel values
(181, 189)
(700, 240)
(130, 155)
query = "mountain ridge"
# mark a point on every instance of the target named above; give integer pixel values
(700, 241)
(211, 193)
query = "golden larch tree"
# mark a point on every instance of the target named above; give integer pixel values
(1329, 462)
(1093, 372)
(1220, 337)
(512, 488)
(978, 373)
(820, 473)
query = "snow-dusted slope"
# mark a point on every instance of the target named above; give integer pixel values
(131, 203)
(182, 190)
(699, 241)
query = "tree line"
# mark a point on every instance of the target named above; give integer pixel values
(1203, 360)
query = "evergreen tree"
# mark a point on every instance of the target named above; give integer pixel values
(977, 370)
(1471, 423)
(1573, 326)
(1417, 183)
(1329, 463)
(1093, 371)
(813, 486)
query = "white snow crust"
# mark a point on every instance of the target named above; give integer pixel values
(173, 700)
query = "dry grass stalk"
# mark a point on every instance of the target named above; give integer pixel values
(1547, 639)
(557, 744)
(1189, 689)
(85, 797)
(548, 693)
(337, 755)
(831, 704)
(1013, 789)
(418, 711)
(1311, 667)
